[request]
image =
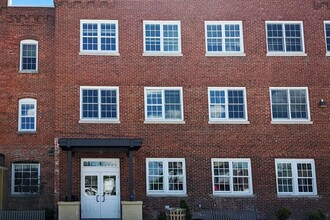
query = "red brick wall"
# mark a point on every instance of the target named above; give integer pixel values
(196, 140)
(17, 24)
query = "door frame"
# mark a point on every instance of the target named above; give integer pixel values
(113, 167)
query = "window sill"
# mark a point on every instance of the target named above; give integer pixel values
(162, 54)
(164, 122)
(327, 54)
(225, 54)
(167, 195)
(298, 196)
(95, 53)
(229, 122)
(291, 122)
(24, 195)
(28, 71)
(86, 121)
(286, 54)
(25, 132)
(233, 195)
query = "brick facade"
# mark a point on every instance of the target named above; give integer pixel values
(63, 71)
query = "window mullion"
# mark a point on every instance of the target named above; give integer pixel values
(163, 104)
(161, 35)
(99, 103)
(231, 178)
(295, 178)
(165, 176)
(226, 104)
(284, 37)
(98, 36)
(223, 38)
(289, 104)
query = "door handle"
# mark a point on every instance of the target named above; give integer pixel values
(103, 198)
(97, 198)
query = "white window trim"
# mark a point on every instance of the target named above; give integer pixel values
(161, 52)
(100, 120)
(13, 177)
(295, 177)
(281, 53)
(163, 120)
(325, 35)
(166, 191)
(99, 52)
(290, 121)
(225, 53)
(231, 192)
(23, 42)
(20, 103)
(227, 120)
(10, 4)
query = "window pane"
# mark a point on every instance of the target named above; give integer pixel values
(89, 36)
(236, 106)
(172, 104)
(214, 38)
(275, 37)
(29, 57)
(293, 38)
(26, 178)
(155, 175)
(90, 103)
(280, 106)
(175, 176)
(109, 104)
(298, 105)
(327, 33)
(152, 37)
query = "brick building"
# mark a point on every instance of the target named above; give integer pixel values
(222, 104)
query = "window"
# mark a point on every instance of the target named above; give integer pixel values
(27, 115)
(166, 176)
(99, 104)
(31, 3)
(162, 38)
(295, 177)
(99, 37)
(224, 38)
(327, 36)
(285, 38)
(29, 56)
(163, 104)
(232, 176)
(227, 104)
(289, 104)
(25, 178)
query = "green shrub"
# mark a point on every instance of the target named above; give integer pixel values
(317, 215)
(283, 213)
(183, 204)
(161, 216)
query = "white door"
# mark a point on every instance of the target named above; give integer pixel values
(100, 193)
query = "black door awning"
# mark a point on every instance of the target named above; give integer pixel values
(99, 145)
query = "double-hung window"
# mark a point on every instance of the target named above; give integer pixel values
(29, 56)
(25, 178)
(99, 104)
(163, 104)
(166, 176)
(289, 104)
(27, 115)
(285, 38)
(224, 38)
(99, 37)
(227, 105)
(327, 36)
(231, 176)
(162, 38)
(295, 177)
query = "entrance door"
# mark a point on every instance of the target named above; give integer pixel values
(100, 197)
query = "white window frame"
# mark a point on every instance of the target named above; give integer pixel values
(285, 53)
(232, 192)
(227, 120)
(24, 102)
(99, 120)
(162, 52)
(163, 119)
(290, 121)
(295, 177)
(166, 191)
(13, 178)
(99, 52)
(10, 4)
(28, 42)
(325, 35)
(225, 53)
